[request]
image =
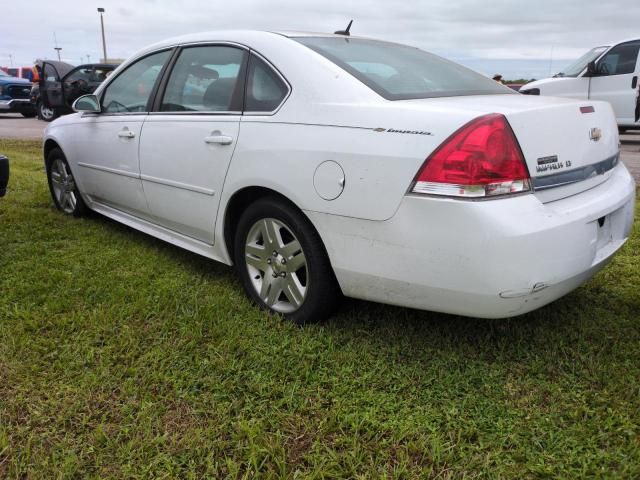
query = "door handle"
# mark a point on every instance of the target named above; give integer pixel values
(219, 139)
(634, 82)
(126, 133)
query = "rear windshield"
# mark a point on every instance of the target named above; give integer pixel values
(399, 72)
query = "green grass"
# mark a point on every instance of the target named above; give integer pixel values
(124, 357)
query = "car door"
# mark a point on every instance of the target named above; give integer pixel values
(51, 89)
(99, 74)
(187, 144)
(617, 79)
(107, 143)
(75, 84)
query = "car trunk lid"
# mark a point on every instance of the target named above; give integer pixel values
(569, 145)
(568, 148)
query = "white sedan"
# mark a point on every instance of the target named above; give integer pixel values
(328, 165)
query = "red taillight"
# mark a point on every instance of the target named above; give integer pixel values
(481, 159)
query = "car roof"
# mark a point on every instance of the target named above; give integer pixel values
(627, 40)
(101, 65)
(212, 35)
(56, 63)
(61, 67)
(291, 34)
(240, 35)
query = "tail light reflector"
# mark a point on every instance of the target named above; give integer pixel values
(481, 159)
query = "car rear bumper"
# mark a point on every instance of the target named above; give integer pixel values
(18, 105)
(489, 259)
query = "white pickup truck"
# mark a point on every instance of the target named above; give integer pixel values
(608, 73)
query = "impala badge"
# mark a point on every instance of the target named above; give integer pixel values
(595, 134)
(411, 132)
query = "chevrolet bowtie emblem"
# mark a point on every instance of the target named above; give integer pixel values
(595, 134)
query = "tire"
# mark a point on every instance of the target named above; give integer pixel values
(282, 262)
(28, 114)
(64, 191)
(45, 113)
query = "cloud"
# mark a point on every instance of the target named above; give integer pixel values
(461, 29)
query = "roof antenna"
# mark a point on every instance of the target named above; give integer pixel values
(345, 32)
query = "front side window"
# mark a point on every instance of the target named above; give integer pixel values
(92, 75)
(620, 60)
(205, 79)
(576, 68)
(399, 72)
(100, 74)
(265, 89)
(130, 91)
(50, 74)
(83, 74)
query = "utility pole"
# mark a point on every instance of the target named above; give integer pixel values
(104, 43)
(11, 60)
(88, 58)
(56, 48)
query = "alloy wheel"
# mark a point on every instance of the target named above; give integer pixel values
(46, 113)
(63, 186)
(277, 265)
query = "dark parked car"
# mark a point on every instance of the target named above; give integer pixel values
(4, 174)
(14, 95)
(61, 84)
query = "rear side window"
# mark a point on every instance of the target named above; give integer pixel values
(620, 60)
(399, 72)
(205, 79)
(130, 90)
(265, 89)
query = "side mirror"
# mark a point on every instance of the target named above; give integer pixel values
(592, 69)
(87, 103)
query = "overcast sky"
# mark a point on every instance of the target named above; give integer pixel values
(508, 37)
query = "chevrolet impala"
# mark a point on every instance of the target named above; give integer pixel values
(326, 165)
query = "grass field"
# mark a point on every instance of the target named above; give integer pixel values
(124, 357)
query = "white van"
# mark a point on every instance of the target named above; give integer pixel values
(607, 73)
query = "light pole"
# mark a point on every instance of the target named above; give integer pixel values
(57, 49)
(104, 43)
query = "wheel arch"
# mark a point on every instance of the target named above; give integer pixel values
(239, 202)
(49, 145)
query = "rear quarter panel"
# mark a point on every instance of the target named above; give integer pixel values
(378, 165)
